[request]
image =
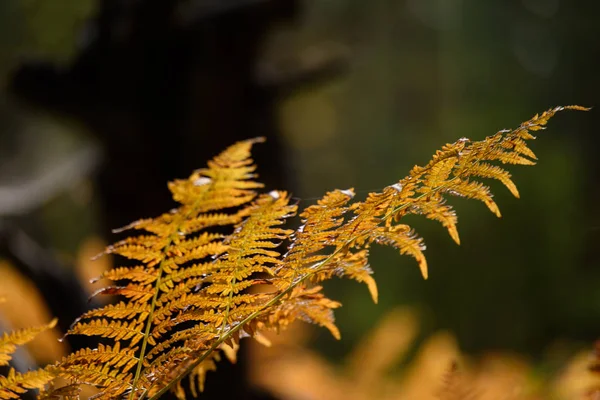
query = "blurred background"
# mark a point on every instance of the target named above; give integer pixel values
(103, 101)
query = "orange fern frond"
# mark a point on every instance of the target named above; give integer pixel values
(10, 341)
(16, 383)
(188, 299)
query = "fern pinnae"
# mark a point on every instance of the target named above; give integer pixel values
(147, 331)
(234, 199)
(250, 245)
(10, 341)
(17, 383)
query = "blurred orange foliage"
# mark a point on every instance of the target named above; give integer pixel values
(439, 371)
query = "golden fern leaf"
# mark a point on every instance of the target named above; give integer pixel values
(222, 304)
(188, 296)
(16, 383)
(103, 355)
(318, 231)
(117, 330)
(450, 172)
(176, 257)
(10, 341)
(403, 238)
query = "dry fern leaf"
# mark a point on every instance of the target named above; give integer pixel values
(16, 383)
(178, 255)
(187, 299)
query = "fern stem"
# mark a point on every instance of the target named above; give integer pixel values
(230, 297)
(138, 371)
(140, 364)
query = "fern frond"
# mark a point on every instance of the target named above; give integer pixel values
(120, 310)
(305, 304)
(190, 297)
(317, 232)
(16, 383)
(10, 340)
(176, 255)
(116, 330)
(140, 274)
(404, 239)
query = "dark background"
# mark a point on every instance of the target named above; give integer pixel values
(103, 101)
